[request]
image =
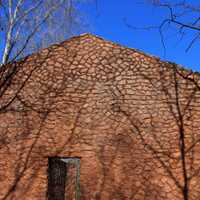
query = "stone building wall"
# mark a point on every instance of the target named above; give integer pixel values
(132, 119)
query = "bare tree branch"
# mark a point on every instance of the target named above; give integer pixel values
(25, 24)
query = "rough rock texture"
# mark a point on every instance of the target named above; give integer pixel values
(133, 119)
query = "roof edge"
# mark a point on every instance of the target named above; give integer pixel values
(140, 51)
(87, 34)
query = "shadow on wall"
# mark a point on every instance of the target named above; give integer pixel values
(123, 124)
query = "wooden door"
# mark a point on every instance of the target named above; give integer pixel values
(63, 179)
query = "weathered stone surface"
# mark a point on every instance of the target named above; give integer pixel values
(118, 109)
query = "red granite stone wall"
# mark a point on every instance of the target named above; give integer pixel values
(132, 119)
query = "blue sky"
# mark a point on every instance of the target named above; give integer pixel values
(108, 22)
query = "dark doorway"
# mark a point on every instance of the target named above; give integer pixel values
(63, 179)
